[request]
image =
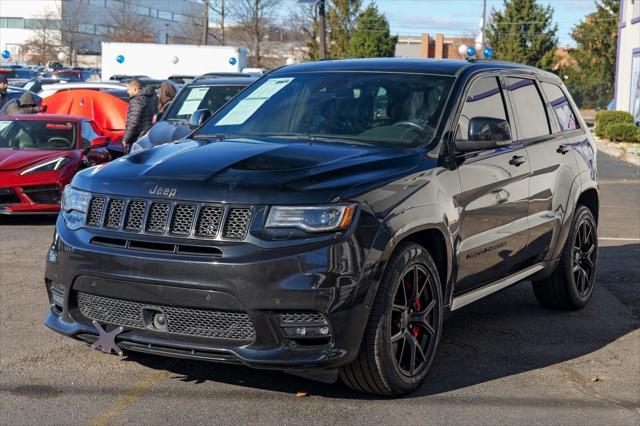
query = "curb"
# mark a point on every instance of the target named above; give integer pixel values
(619, 150)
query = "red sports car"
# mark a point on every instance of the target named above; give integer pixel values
(40, 154)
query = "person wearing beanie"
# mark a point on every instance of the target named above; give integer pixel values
(25, 105)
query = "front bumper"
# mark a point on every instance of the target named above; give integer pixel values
(325, 278)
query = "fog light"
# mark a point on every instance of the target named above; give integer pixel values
(160, 321)
(307, 331)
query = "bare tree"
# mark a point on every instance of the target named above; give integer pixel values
(303, 24)
(127, 26)
(72, 38)
(45, 42)
(193, 27)
(254, 18)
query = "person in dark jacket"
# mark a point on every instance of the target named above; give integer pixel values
(4, 94)
(25, 105)
(142, 108)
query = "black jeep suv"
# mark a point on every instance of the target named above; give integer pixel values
(326, 220)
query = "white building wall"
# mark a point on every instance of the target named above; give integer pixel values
(165, 16)
(628, 60)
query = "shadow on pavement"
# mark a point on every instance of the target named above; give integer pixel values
(506, 334)
(29, 220)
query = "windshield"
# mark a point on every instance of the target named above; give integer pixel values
(194, 98)
(374, 108)
(31, 134)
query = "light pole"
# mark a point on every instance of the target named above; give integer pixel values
(484, 25)
(322, 25)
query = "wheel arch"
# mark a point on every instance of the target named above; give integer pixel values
(590, 199)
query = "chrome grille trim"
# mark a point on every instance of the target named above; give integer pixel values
(204, 221)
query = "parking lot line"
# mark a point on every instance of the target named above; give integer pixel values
(617, 239)
(129, 398)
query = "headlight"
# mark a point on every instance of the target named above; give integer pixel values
(49, 166)
(312, 219)
(74, 206)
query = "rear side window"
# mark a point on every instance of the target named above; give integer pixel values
(530, 115)
(561, 108)
(483, 100)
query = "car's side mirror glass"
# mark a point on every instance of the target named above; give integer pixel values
(198, 117)
(485, 133)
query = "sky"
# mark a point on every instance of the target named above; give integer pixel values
(462, 17)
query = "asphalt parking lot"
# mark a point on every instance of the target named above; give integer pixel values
(504, 360)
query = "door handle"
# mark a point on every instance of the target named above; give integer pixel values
(517, 160)
(563, 149)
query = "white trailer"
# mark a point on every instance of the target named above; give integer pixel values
(163, 60)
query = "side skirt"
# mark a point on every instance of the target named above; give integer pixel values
(464, 299)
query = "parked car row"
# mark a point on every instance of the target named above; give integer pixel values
(85, 120)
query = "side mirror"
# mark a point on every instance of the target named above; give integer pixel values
(198, 117)
(99, 142)
(485, 133)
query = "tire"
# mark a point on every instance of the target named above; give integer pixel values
(571, 285)
(412, 317)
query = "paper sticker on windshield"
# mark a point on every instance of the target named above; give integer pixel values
(249, 105)
(193, 100)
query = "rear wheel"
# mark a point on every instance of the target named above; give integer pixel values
(403, 331)
(571, 284)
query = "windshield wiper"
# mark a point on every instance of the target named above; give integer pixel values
(218, 136)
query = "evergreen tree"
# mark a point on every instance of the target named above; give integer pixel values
(596, 38)
(371, 36)
(341, 15)
(524, 32)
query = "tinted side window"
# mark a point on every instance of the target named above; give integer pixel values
(484, 99)
(530, 114)
(88, 134)
(561, 108)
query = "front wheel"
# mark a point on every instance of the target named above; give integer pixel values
(571, 284)
(404, 328)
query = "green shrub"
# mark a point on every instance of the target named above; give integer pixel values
(605, 118)
(622, 132)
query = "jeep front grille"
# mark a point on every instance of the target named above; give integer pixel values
(183, 219)
(184, 321)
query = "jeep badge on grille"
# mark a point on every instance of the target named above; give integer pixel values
(165, 192)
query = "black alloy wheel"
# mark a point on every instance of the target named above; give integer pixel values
(571, 284)
(413, 320)
(403, 332)
(584, 257)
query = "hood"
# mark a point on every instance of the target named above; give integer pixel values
(164, 132)
(12, 159)
(252, 171)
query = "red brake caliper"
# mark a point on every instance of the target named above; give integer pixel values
(415, 329)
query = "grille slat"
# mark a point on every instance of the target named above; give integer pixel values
(135, 215)
(185, 219)
(94, 216)
(209, 221)
(114, 213)
(237, 223)
(182, 220)
(185, 321)
(157, 219)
